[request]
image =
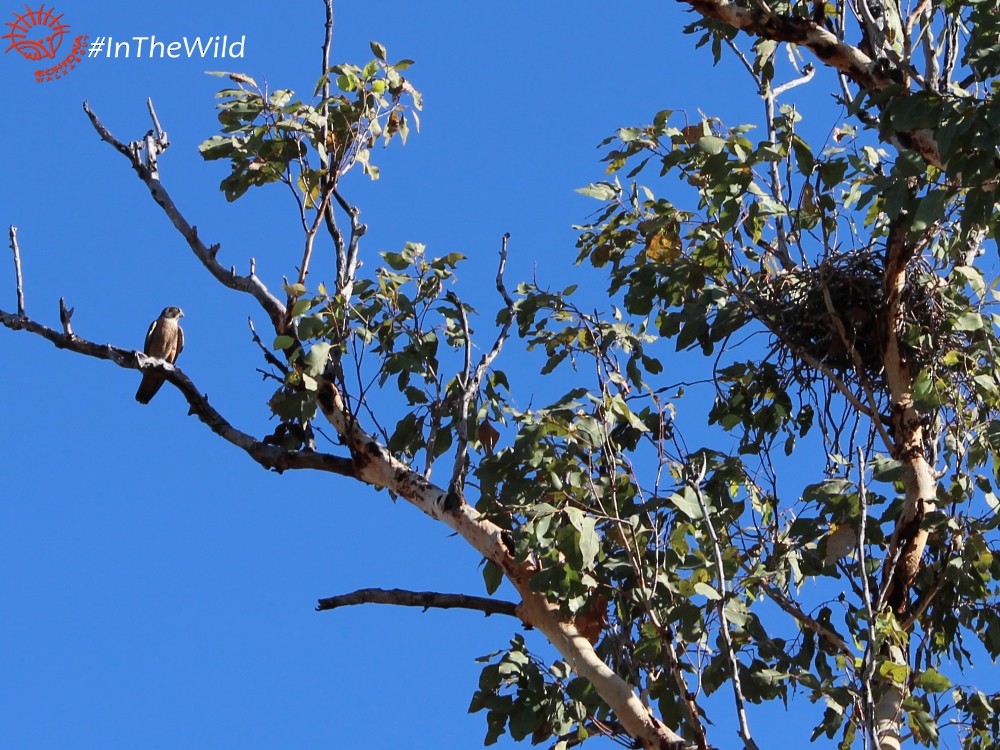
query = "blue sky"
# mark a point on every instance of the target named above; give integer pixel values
(157, 585)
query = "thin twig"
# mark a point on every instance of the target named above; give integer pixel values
(268, 354)
(16, 249)
(807, 75)
(348, 269)
(868, 659)
(779, 598)
(161, 135)
(327, 46)
(727, 639)
(424, 599)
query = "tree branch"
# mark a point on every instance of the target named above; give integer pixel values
(268, 456)
(375, 465)
(251, 284)
(423, 599)
(872, 75)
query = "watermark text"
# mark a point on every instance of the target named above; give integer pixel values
(149, 47)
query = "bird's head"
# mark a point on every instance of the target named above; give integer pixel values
(172, 312)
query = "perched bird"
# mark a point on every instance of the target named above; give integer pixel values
(164, 340)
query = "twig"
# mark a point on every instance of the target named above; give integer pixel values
(15, 248)
(65, 316)
(806, 621)
(348, 270)
(423, 599)
(161, 135)
(727, 638)
(807, 75)
(470, 384)
(462, 422)
(327, 45)
(311, 231)
(868, 659)
(268, 456)
(268, 354)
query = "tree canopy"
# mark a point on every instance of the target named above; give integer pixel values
(804, 511)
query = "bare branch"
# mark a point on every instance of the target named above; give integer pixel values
(268, 456)
(455, 488)
(727, 638)
(806, 621)
(807, 75)
(268, 354)
(470, 381)
(251, 284)
(349, 269)
(327, 45)
(161, 135)
(423, 599)
(15, 248)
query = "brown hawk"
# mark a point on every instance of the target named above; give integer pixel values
(164, 340)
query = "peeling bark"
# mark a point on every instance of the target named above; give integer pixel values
(920, 486)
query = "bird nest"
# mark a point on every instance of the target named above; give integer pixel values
(832, 314)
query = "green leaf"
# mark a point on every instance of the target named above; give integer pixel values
(687, 503)
(315, 361)
(933, 681)
(602, 191)
(711, 145)
(283, 342)
(968, 321)
(492, 576)
(707, 591)
(378, 50)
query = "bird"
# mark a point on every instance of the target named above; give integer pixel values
(164, 340)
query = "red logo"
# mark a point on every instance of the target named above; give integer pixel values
(37, 35)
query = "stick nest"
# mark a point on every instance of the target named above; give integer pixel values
(834, 313)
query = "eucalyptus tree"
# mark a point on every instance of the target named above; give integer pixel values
(835, 302)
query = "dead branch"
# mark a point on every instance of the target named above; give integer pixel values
(424, 599)
(15, 248)
(251, 284)
(268, 456)
(268, 354)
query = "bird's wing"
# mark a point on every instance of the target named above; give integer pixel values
(149, 337)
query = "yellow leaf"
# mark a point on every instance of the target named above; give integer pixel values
(664, 245)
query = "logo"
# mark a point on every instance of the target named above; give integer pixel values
(37, 35)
